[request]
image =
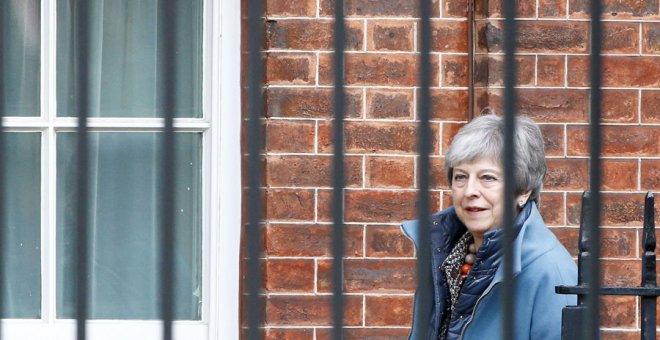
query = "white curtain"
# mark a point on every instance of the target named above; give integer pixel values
(125, 166)
(22, 219)
(20, 28)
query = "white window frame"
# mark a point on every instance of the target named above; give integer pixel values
(221, 186)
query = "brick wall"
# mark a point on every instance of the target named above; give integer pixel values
(381, 73)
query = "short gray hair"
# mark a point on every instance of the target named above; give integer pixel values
(483, 137)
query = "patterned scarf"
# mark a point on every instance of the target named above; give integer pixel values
(452, 269)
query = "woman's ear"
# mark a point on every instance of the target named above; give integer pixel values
(522, 199)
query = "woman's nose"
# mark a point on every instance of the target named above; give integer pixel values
(472, 188)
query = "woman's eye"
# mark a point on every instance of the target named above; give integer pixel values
(459, 177)
(489, 178)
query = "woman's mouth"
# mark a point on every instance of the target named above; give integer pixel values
(474, 209)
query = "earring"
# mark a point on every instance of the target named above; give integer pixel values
(521, 204)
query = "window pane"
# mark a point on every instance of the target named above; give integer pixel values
(21, 32)
(124, 74)
(22, 207)
(124, 231)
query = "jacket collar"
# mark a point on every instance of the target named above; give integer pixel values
(451, 227)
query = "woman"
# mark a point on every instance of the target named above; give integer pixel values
(466, 241)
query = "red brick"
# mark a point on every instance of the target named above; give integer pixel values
(615, 243)
(372, 137)
(391, 35)
(550, 70)
(618, 312)
(376, 8)
(621, 273)
(288, 8)
(618, 71)
(289, 275)
(454, 70)
(390, 104)
(651, 37)
(371, 276)
(437, 174)
(650, 175)
(388, 310)
(291, 68)
(310, 310)
(616, 209)
(568, 238)
(289, 205)
(454, 8)
(383, 206)
(448, 36)
(366, 334)
(489, 70)
(387, 241)
(618, 243)
(547, 105)
(376, 69)
(310, 103)
(566, 174)
(552, 9)
(553, 139)
(449, 130)
(310, 171)
(447, 200)
(619, 174)
(309, 240)
(615, 9)
(619, 335)
(290, 136)
(617, 140)
(619, 106)
(552, 208)
(524, 8)
(537, 36)
(650, 109)
(448, 105)
(311, 34)
(620, 37)
(390, 172)
(289, 334)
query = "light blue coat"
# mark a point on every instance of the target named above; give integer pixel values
(540, 264)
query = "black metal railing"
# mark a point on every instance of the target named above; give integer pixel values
(574, 317)
(590, 286)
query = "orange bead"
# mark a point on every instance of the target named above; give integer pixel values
(466, 268)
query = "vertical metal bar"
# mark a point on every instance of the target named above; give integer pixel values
(338, 175)
(424, 148)
(471, 59)
(82, 53)
(254, 143)
(648, 269)
(584, 242)
(167, 104)
(591, 331)
(509, 168)
(3, 9)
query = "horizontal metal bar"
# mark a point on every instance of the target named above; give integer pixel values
(628, 291)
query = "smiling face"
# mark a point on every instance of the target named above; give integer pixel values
(478, 193)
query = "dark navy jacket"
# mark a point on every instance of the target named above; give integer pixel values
(540, 264)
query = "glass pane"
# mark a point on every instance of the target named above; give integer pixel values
(21, 34)
(22, 243)
(124, 230)
(124, 57)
